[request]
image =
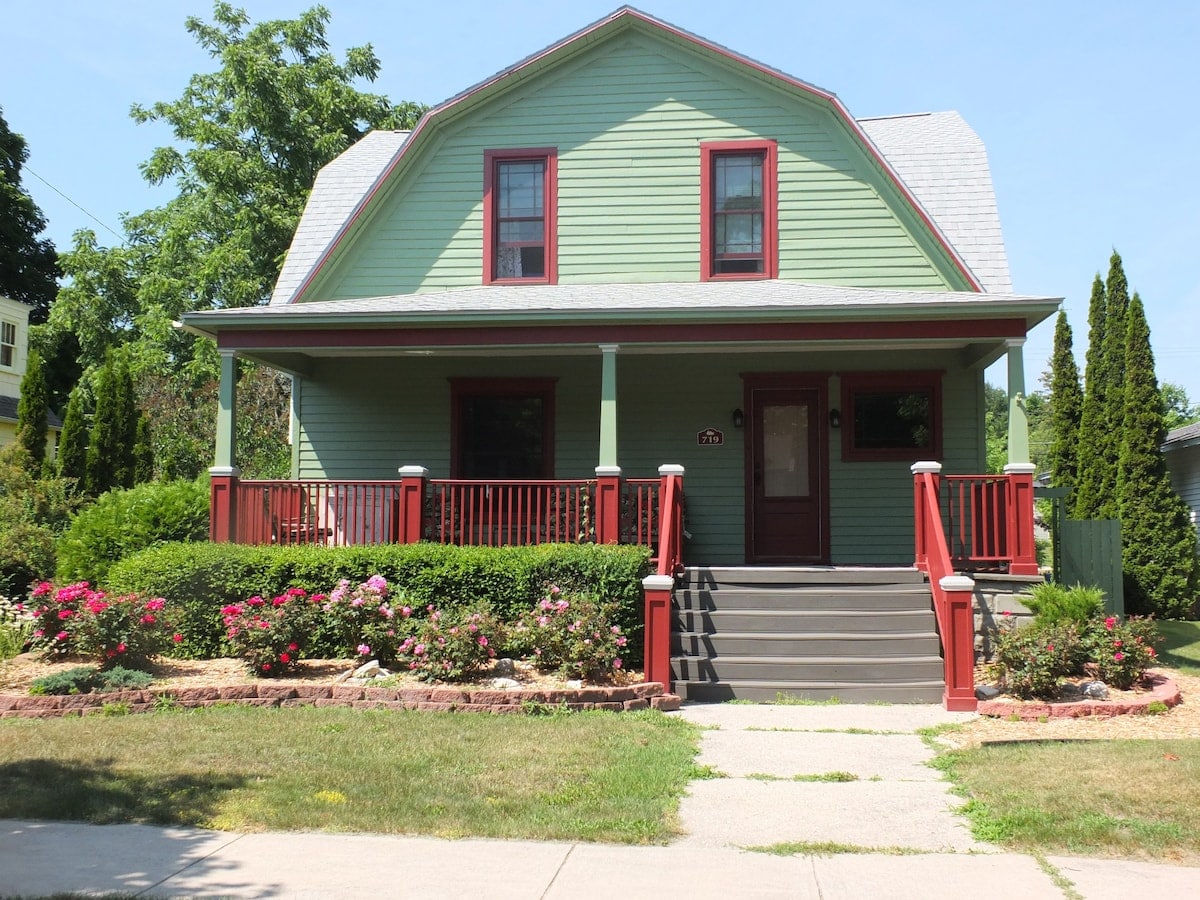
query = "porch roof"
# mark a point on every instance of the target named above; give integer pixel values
(626, 303)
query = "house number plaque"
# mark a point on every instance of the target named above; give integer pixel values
(710, 437)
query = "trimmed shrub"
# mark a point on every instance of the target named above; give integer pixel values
(122, 522)
(86, 679)
(198, 580)
(1052, 603)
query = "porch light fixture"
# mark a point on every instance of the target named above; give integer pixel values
(835, 418)
(739, 418)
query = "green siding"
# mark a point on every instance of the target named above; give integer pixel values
(627, 118)
(663, 401)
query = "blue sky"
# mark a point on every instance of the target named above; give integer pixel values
(1088, 109)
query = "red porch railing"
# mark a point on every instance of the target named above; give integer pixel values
(606, 509)
(988, 522)
(659, 587)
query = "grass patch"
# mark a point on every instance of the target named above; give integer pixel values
(1181, 646)
(1122, 798)
(826, 730)
(783, 698)
(834, 777)
(829, 848)
(589, 776)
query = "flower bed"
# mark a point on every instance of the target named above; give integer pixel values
(1158, 688)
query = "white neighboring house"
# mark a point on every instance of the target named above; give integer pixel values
(14, 351)
(1182, 453)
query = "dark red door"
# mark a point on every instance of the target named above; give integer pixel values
(785, 472)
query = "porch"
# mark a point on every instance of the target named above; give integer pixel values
(962, 524)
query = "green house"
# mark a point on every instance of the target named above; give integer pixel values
(634, 249)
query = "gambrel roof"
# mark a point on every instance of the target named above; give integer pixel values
(935, 160)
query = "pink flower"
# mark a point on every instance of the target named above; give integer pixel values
(280, 600)
(148, 619)
(156, 604)
(65, 614)
(177, 637)
(376, 583)
(419, 650)
(1110, 622)
(293, 646)
(406, 611)
(364, 649)
(255, 601)
(543, 621)
(121, 648)
(42, 589)
(1050, 647)
(483, 641)
(1118, 656)
(1150, 650)
(94, 605)
(617, 663)
(61, 636)
(1006, 613)
(1116, 643)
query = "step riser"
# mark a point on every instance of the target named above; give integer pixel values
(808, 599)
(801, 646)
(894, 693)
(769, 575)
(799, 622)
(694, 669)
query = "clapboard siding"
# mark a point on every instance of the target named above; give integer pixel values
(627, 119)
(1184, 466)
(663, 402)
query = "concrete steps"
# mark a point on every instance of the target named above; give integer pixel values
(769, 633)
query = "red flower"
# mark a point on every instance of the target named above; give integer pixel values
(284, 658)
(177, 637)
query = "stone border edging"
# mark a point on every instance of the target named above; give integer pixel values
(649, 695)
(1163, 690)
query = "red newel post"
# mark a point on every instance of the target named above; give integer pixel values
(608, 505)
(921, 522)
(958, 646)
(410, 514)
(657, 661)
(222, 504)
(1022, 550)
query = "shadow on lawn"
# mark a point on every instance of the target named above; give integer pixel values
(99, 794)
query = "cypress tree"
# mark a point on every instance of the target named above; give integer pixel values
(143, 452)
(32, 409)
(103, 446)
(1158, 540)
(1066, 406)
(1089, 492)
(1114, 349)
(72, 449)
(125, 426)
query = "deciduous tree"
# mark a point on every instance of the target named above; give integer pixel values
(28, 263)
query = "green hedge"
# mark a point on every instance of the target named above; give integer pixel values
(200, 579)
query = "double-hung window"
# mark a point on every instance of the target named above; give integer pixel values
(8, 344)
(519, 212)
(502, 428)
(738, 201)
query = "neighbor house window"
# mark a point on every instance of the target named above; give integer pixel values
(738, 200)
(8, 344)
(503, 428)
(519, 212)
(892, 416)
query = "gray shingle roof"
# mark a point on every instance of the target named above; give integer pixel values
(739, 299)
(8, 412)
(944, 163)
(339, 189)
(1186, 433)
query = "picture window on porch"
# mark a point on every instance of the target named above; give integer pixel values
(519, 213)
(502, 428)
(8, 344)
(892, 416)
(738, 201)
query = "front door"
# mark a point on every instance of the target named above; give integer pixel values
(786, 515)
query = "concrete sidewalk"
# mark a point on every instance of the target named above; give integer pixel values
(896, 803)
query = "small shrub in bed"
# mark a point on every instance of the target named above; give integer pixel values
(571, 634)
(448, 646)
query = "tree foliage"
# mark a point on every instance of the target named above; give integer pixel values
(1178, 409)
(1158, 538)
(1066, 407)
(249, 139)
(33, 408)
(1091, 494)
(110, 453)
(72, 448)
(28, 264)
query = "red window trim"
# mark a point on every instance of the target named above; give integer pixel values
(854, 383)
(770, 150)
(550, 206)
(524, 387)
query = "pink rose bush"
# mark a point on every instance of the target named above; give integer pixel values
(77, 620)
(449, 647)
(368, 620)
(571, 634)
(269, 634)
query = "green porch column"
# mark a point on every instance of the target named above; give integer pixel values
(608, 406)
(1018, 423)
(225, 457)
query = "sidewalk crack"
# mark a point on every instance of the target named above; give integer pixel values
(558, 871)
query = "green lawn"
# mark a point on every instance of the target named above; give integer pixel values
(1181, 646)
(1121, 798)
(585, 776)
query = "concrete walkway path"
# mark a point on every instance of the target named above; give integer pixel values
(895, 802)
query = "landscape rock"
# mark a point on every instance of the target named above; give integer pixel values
(505, 684)
(504, 668)
(986, 692)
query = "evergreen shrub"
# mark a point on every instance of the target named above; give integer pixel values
(122, 522)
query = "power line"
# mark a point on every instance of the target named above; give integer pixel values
(23, 167)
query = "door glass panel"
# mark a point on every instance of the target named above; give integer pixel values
(785, 450)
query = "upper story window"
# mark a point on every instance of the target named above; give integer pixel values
(8, 344)
(738, 201)
(519, 213)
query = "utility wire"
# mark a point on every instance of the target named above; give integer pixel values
(24, 167)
